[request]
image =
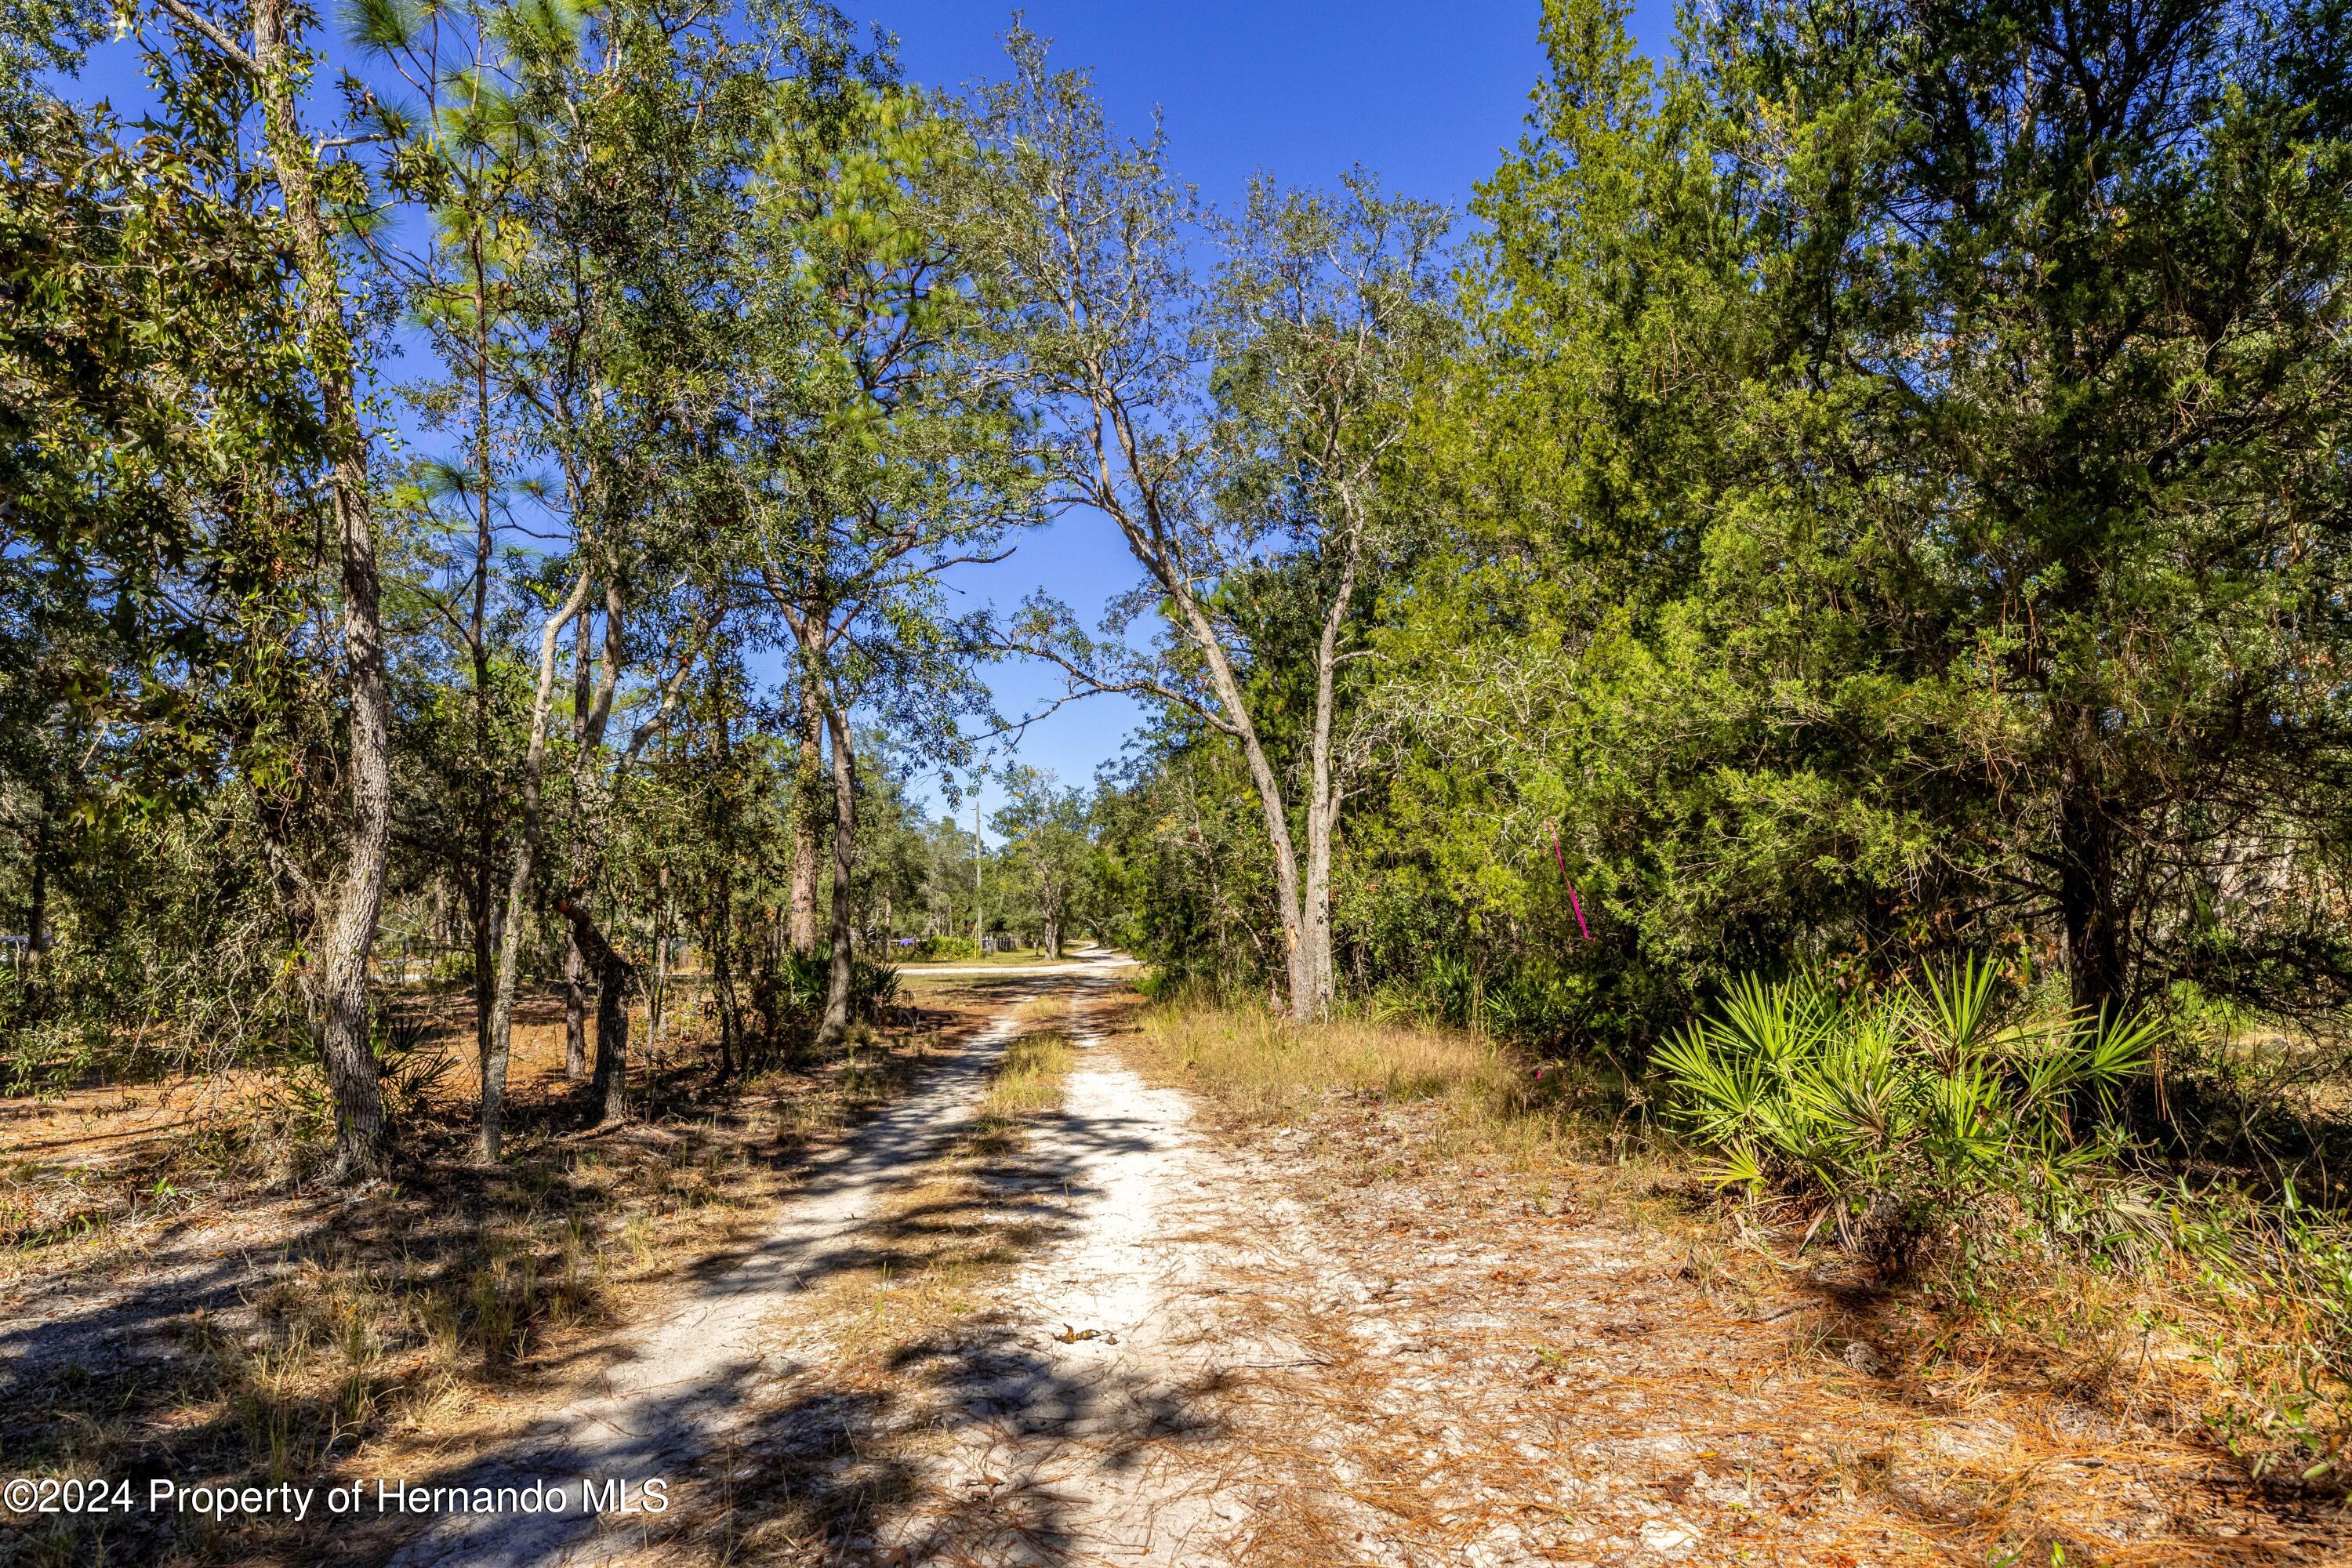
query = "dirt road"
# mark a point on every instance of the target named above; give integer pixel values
(1119, 1339)
(689, 1376)
(1064, 1418)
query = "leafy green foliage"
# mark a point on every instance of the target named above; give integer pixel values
(794, 991)
(1860, 538)
(1904, 1112)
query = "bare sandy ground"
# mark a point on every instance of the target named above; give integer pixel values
(1080, 1434)
(1089, 961)
(1070, 1417)
(1214, 1351)
(689, 1374)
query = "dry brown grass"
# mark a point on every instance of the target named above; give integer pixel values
(1028, 1076)
(1047, 1009)
(1275, 1072)
(1599, 1326)
(1567, 1126)
(386, 1329)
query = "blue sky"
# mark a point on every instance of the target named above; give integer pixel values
(1425, 96)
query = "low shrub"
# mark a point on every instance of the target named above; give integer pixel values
(793, 991)
(1913, 1113)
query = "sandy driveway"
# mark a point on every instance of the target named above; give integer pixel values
(688, 1376)
(1070, 1417)
(1080, 1425)
(1208, 1350)
(1100, 962)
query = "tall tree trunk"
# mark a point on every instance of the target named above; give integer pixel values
(575, 963)
(2096, 959)
(486, 800)
(534, 760)
(575, 1009)
(348, 936)
(1321, 984)
(845, 845)
(722, 975)
(1308, 1000)
(722, 924)
(615, 977)
(36, 918)
(808, 787)
(482, 896)
(36, 921)
(658, 996)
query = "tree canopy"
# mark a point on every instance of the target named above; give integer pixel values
(1868, 488)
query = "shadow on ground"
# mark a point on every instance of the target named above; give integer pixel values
(263, 1335)
(791, 1451)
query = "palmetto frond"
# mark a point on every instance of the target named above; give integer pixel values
(1901, 1103)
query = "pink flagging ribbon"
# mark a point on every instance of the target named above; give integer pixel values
(1561, 856)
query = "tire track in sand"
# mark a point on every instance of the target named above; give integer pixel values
(685, 1380)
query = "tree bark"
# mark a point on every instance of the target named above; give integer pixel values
(534, 760)
(575, 1009)
(722, 975)
(37, 918)
(575, 965)
(2096, 966)
(1323, 795)
(658, 994)
(348, 935)
(722, 923)
(1305, 959)
(845, 845)
(37, 922)
(608, 1089)
(485, 799)
(808, 782)
(615, 977)
(479, 899)
(1306, 1004)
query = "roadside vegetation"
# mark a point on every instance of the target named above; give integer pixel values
(313, 1330)
(1789, 662)
(1942, 1155)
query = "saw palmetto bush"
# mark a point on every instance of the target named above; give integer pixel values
(1914, 1113)
(791, 994)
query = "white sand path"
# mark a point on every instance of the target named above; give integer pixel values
(693, 1372)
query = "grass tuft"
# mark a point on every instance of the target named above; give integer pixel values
(1028, 1076)
(1493, 1098)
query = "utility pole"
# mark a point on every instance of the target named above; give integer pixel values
(979, 910)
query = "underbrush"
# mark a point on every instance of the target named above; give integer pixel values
(380, 1321)
(1971, 1149)
(788, 997)
(371, 1324)
(1941, 1160)
(1491, 1095)
(1917, 1116)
